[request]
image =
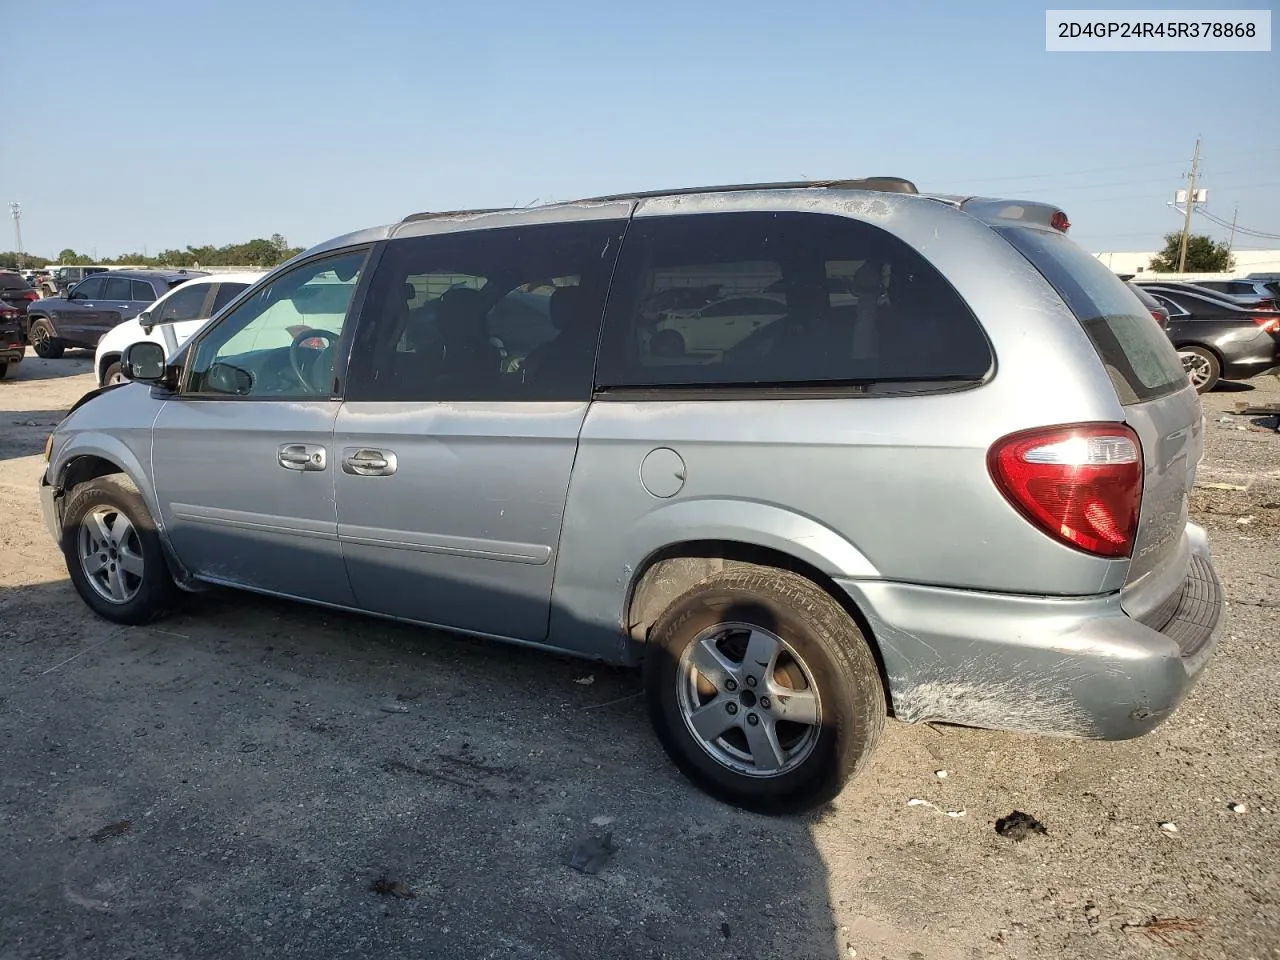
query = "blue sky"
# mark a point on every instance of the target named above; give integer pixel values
(163, 124)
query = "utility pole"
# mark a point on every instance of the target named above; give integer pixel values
(16, 209)
(1232, 242)
(1191, 200)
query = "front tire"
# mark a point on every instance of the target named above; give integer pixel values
(113, 552)
(46, 345)
(763, 690)
(4, 368)
(112, 375)
(1202, 367)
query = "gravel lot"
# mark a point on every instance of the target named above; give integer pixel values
(272, 761)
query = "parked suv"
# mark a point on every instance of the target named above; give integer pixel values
(95, 305)
(170, 320)
(950, 486)
(62, 279)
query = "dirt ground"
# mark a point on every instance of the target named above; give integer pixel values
(230, 782)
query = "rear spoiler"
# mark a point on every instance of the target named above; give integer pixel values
(1023, 213)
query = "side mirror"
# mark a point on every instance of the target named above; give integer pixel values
(143, 362)
(144, 320)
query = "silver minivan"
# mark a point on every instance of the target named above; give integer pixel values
(812, 454)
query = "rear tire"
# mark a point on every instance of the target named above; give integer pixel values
(46, 345)
(112, 375)
(1202, 367)
(4, 368)
(113, 552)
(724, 721)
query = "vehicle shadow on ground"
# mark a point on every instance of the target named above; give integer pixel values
(73, 363)
(1232, 386)
(23, 432)
(327, 784)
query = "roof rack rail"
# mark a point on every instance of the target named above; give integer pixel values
(433, 214)
(881, 184)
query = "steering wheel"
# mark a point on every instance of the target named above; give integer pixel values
(296, 359)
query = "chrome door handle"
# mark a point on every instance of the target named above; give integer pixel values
(364, 462)
(302, 456)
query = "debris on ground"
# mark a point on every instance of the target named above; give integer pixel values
(119, 828)
(940, 774)
(394, 708)
(591, 852)
(1239, 808)
(724, 928)
(1092, 916)
(1019, 826)
(387, 887)
(1168, 827)
(1243, 521)
(601, 821)
(587, 680)
(1164, 930)
(917, 802)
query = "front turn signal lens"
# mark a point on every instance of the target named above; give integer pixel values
(48, 448)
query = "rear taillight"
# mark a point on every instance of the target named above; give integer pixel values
(31, 295)
(1080, 484)
(1161, 317)
(1269, 324)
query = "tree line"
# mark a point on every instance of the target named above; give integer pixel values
(254, 253)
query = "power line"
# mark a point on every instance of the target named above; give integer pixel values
(1260, 234)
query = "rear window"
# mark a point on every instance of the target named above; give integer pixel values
(1136, 353)
(13, 281)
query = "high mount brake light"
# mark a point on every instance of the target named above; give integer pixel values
(1081, 484)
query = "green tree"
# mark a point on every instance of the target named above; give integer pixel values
(1203, 255)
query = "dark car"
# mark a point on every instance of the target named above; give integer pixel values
(11, 343)
(95, 305)
(1159, 312)
(16, 292)
(1217, 339)
(1250, 293)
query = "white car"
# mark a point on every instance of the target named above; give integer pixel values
(171, 320)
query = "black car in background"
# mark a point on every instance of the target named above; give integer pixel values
(95, 305)
(1216, 338)
(12, 346)
(1159, 312)
(16, 292)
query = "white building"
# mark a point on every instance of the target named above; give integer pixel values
(1139, 264)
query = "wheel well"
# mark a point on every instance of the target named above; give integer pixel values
(86, 468)
(1202, 346)
(107, 360)
(671, 571)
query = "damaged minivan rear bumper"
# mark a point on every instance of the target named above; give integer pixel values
(1077, 667)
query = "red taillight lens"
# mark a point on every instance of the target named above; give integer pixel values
(1080, 484)
(1269, 324)
(1161, 317)
(1059, 221)
(31, 295)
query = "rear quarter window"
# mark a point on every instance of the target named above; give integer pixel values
(746, 300)
(1136, 353)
